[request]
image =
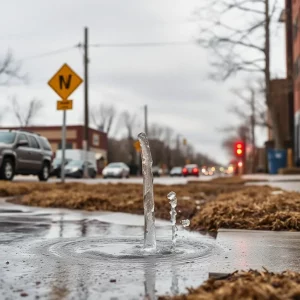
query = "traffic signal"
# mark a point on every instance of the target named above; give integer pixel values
(239, 149)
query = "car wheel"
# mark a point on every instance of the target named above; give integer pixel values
(45, 172)
(94, 175)
(7, 171)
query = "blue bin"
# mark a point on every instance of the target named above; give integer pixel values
(276, 159)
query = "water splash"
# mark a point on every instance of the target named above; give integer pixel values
(173, 201)
(149, 228)
(185, 223)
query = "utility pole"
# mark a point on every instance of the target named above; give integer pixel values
(146, 119)
(290, 62)
(86, 98)
(252, 125)
(86, 90)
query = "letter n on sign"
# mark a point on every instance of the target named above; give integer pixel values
(65, 82)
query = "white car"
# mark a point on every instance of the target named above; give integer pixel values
(116, 170)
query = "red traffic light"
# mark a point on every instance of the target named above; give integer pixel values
(239, 149)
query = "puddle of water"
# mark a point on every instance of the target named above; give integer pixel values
(81, 255)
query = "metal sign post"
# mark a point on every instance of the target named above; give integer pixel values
(85, 167)
(64, 83)
(63, 146)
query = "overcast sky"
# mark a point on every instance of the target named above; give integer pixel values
(172, 80)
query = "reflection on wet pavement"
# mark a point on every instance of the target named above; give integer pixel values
(65, 254)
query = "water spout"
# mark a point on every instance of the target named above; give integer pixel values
(173, 201)
(149, 228)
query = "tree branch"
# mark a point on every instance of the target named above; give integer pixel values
(9, 69)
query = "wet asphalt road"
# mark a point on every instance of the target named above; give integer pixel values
(287, 182)
(165, 180)
(64, 254)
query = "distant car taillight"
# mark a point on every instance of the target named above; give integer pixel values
(184, 170)
(195, 170)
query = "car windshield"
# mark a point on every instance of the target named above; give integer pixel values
(191, 166)
(75, 163)
(115, 165)
(57, 161)
(7, 137)
(176, 169)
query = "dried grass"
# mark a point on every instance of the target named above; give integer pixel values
(115, 197)
(247, 285)
(220, 203)
(251, 208)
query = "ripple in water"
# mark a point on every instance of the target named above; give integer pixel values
(130, 250)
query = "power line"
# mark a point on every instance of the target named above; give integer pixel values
(50, 53)
(110, 45)
(142, 44)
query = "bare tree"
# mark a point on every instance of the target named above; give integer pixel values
(168, 138)
(9, 69)
(26, 115)
(129, 121)
(251, 110)
(155, 132)
(104, 116)
(242, 45)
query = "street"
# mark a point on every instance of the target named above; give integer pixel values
(135, 180)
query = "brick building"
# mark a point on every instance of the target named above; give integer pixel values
(74, 139)
(296, 71)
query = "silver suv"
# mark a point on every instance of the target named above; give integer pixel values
(24, 153)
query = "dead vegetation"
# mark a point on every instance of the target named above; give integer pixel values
(116, 197)
(247, 285)
(220, 203)
(258, 208)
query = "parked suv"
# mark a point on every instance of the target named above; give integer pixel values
(24, 153)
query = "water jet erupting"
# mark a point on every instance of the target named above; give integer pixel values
(149, 228)
(173, 201)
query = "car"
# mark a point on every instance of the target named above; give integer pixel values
(75, 169)
(56, 166)
(176, 171)
(156, 171)
(116, 170)
(190, 170)
(24, 153)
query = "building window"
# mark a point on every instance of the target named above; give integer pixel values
(96, 140)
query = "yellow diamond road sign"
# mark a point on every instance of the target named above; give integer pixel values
(65, 82)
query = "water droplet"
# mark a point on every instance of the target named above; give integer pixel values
(172, 196)
(185, 223)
